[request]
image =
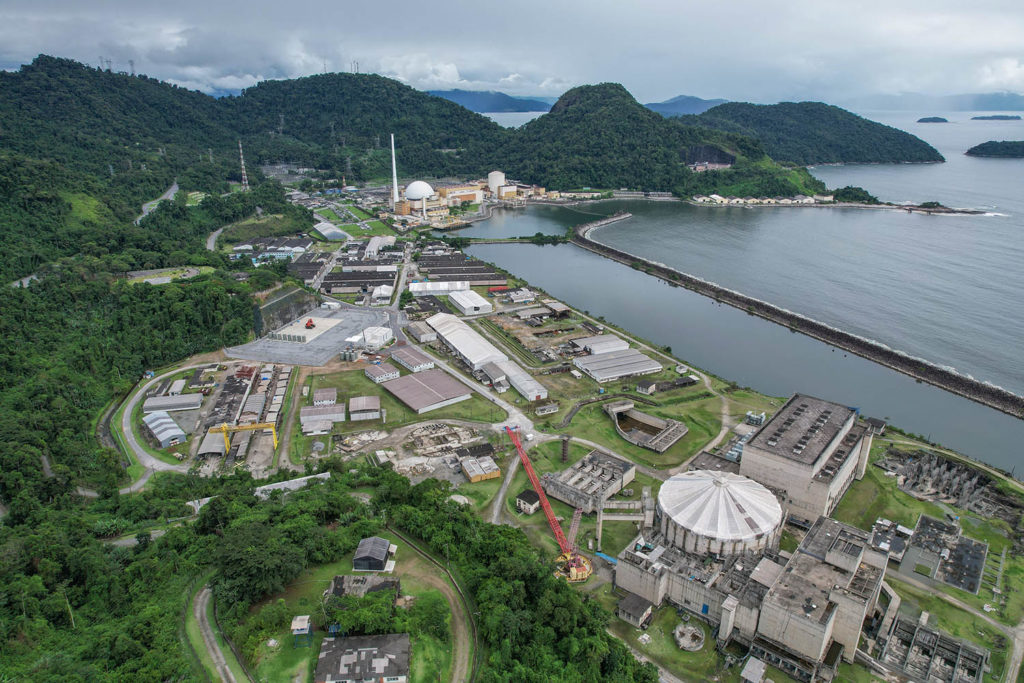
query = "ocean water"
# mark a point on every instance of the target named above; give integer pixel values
(945, 288)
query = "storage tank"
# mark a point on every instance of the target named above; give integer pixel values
(718, 512)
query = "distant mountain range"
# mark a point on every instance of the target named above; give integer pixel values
(683, 104)
(993, 101)
(493, 102)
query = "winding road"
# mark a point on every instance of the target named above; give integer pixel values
(148, 207)
(199, 611)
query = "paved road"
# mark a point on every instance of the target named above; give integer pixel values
(148, 207)
(211, 241)
(199, 606)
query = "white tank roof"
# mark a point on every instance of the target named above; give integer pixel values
(418, 189)
(720, 505)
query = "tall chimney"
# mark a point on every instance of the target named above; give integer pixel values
(394, 176)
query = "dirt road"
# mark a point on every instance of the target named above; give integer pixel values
(199, 611)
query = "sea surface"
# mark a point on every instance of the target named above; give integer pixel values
(945, 288)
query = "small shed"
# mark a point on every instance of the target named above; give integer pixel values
(373, 555)
(302, 631)
(635, 610)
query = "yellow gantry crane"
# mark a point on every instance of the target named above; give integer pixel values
(226, 428)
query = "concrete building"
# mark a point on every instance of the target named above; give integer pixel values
(437, 287)
(591, 481)
(635, 610)
(613, 365)
(376, 337)
(522, 381)
(421, 332)
(164, 429)
(325, 397)
(320, 419)
(528, 502)
(384, 372)
(647, 431)
(480, 469)
(177, 387)
(469, 302)
(428, 390)
(495, 180)
(465, 343)
(811, 450)
(412, 359)
(170, 404)
(363, 659)
(364, 408)
(599, 344)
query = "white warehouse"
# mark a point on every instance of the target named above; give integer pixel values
(473, 349)
(470, 303)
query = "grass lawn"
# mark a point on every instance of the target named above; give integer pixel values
(269, 225)
(375, 228)
(788, 542)
(954, 621)
(431, 660)
(329, 215)
(359, 213)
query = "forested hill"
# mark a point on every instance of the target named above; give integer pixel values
(491, 101)
(600, 136)
(1012, 149)
(683, 104)
(817, 133)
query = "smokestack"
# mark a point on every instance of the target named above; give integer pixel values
(394, 176)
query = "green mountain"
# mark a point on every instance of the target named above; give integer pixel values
(600, 136)
(1008, 149)
(491, 101)
(815, 133)
(683, 104)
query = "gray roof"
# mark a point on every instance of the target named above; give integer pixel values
(410, 357)
(363, 403)
(634, 604)
(362, 658)
(382, 370)
(802, 429)
(426, 388)
(528, 496)
(374, 546)
(170, 403)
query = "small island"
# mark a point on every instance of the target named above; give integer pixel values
(1007, 149)
(997, 117)
(933, 119)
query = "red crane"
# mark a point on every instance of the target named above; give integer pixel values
(575, 567)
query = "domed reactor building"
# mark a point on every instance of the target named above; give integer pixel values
(713, 550)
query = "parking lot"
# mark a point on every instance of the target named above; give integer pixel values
(343, 324)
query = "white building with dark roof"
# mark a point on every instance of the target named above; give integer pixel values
(412, 359)
(381, 373)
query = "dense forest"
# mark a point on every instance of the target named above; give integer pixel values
(816, 133)
(491, 101)
(1013, 149)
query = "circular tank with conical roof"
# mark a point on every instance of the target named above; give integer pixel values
(718, 512)
(417, 190)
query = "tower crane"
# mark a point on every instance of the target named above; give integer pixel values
(573, 566)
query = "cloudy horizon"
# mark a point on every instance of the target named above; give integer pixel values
(762, 52)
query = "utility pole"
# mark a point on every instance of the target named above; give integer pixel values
(131, 65)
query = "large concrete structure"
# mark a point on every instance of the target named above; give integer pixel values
(428, 390)
(718, 513)
(591, 481)
(613, 365)
(169, 404)
(644, 430)
(470, 303)
(467, 344)
(802, 616)
(810, 451)
(495, 180)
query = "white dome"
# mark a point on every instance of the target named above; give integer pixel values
(418, 189)
(718, 512)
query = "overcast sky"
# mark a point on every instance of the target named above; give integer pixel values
(757, 50)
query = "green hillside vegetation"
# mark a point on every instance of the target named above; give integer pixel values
(1011, 149)
(816, 133)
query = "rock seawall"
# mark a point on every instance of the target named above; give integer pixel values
(918, 368)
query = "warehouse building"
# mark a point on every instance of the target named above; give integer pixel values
(170, 404)
(320, 419)
(412, 359)
(364, 658)
(612, 365)
(480, 469)
(599, 344)
(522, 381)
(470, 303)
(467, 345)
(428, 390)
(177, 387)
(325, 397)
(364, 408)
(164, 429)
(435, 287)
(374, 554)
(421, 332)
(812, 450)
(591, 481)
(212, 445)
(381, 373)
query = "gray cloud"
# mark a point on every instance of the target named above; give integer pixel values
(760, 51)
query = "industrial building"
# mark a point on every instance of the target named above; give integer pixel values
(358, 659)
(376, 337)
(374, 554)
(649, 387)
(329, 231)
(325, 397)
(212, 445)
(421, 332)
(428, 390)
(480, 469)
(364, 408)
(635, 610)
(320, 419)
(439, 287)
(612, 365)
(170, 404)
(465, 343)
(177, 387)
(812, 450)
(528, 502)
(802, 615)
(164, 429)
(470, 303)
(381, 373)
(924, 653)
(520, 380)
(600, 344)
(412, 359)
(591, 481)
(939, 551)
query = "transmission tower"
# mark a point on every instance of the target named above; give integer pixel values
(245, 178)
(131, 65)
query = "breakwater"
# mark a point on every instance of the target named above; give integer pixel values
(918, 368)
